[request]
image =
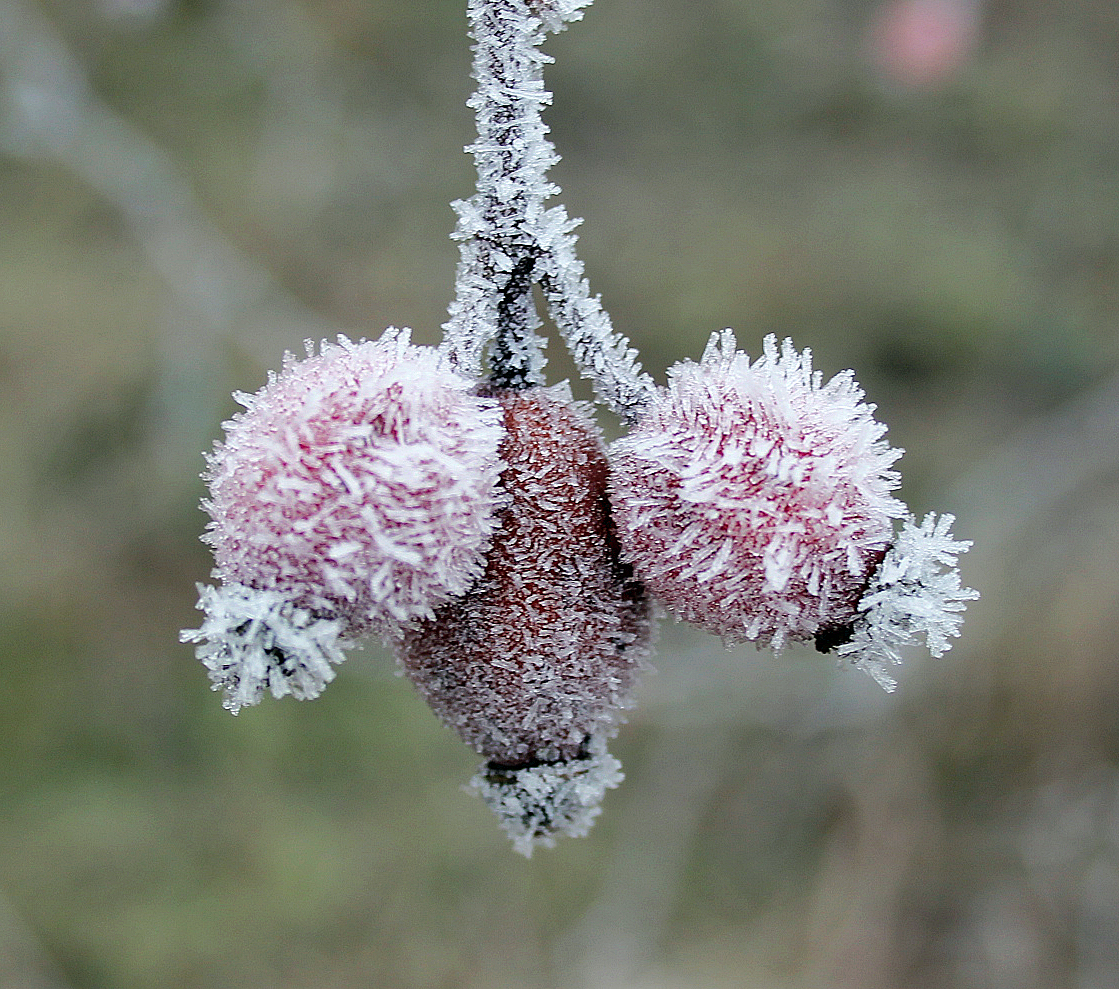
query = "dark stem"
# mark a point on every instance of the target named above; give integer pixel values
(831, 637)
(514, 345)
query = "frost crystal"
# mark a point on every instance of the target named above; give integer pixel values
(537, 803)
(251, 640)
(545, 648)
(361, 481)
(915, 591)
(753, 498)
(508, 239)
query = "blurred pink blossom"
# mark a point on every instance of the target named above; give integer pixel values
(921, 43)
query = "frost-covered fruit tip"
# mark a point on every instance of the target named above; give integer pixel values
(252, 641)
(754, 499)
(536, 660)
(914, 595)
(536, 802)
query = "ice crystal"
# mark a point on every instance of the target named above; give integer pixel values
(361, 481)
(253, 640)
(544, 649)
(753, 498)
(508, 239)
(915, 593)
(536, 803)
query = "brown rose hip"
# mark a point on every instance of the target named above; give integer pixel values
(539, 656)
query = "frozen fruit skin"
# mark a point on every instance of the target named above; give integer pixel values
(752, 498)
(543, 651)
(361, 482)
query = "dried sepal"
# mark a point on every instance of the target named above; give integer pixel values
(252, 641)
(539, 802)
(544, 650)
(915, 593)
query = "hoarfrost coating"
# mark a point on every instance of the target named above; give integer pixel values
(449, 501)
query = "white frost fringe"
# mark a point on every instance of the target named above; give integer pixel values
(537, 803)
(252, 639)
(916, 591)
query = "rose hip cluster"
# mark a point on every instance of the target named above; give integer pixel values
(486, 534)
(449, 501)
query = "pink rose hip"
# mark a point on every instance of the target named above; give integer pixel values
(358, 488)
(753, 499)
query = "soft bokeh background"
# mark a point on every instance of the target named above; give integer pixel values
(927, 193)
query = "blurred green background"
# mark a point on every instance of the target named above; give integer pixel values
(190, 187)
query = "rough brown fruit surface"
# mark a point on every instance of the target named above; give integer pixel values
(543, 651)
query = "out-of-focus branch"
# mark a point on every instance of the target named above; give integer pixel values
(22, 959)
(48, 111)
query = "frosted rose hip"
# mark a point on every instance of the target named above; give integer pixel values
(542, 652)
(360, 481)
(356, 492)
(753, 499)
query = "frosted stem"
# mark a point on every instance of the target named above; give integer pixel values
(508, 240)
(493, 297)
(517, 357)
(604, 356)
